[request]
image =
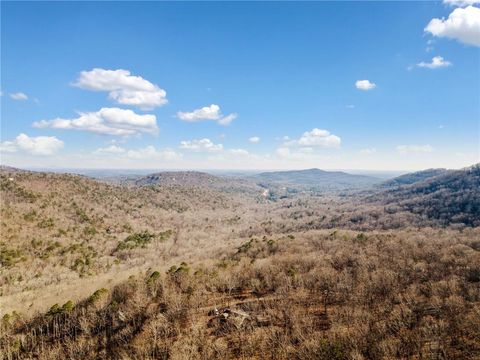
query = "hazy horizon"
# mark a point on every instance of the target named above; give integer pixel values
(213, 171)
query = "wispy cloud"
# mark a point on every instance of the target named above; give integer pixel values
(436, 63)
(19, 96)
(461, 3)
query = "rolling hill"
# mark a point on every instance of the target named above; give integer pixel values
(315, 179)
(175, 265)
(199, 179)
(452, 197)
(411, 178)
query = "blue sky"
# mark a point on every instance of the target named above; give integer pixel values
(334, 85)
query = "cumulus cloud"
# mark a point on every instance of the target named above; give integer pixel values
(461, 3)
(463, 24)
(206, 113)
(40, 145)
(365, 85)
(106, 121)
(254, 140)
(414, 149)
(19, 96)
(123, 87)
(437, 62)
(200, 145)
(317, 138)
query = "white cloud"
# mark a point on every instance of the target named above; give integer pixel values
(226, 120)
(123, 87)
(414, 149)
(200, 145)
(254, 139)
(437, 62)
(365, 85)
(107, 121)
(211, 112)
(40, 145)
(112, 149)
(368, 151)
(461, 3)
(151, 152)
(19, 96)
(463, 24)
(317, 138)
(238, 152)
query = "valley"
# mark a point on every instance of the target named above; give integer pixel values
(167, 249)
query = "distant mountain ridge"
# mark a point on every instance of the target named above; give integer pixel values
(453, 197)
(178, 178)
(316, 179)
(414, 177)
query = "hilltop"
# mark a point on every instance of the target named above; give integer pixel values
(199, 179)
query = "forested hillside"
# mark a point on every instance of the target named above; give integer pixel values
(451, 198)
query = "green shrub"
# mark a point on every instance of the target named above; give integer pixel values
(65, 308)
(154, 277)
(141, 240)
(55, 309)
(97, 295)
(9, 257)
(182, 269)
(68, 306)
